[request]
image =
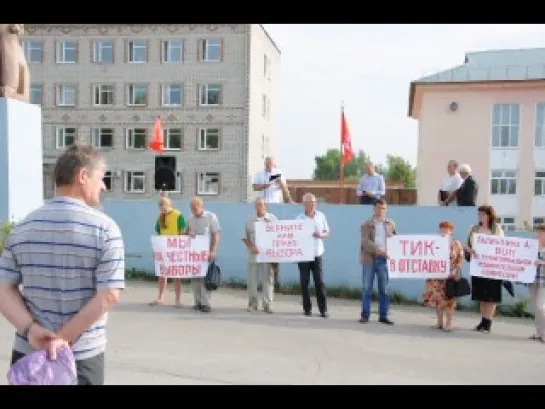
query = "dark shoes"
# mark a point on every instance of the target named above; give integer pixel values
(323, 314)
(484, 326)
(382, 320)
(202, 308)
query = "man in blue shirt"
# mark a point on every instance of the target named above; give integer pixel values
(371, 186)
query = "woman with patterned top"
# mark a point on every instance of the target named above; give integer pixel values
(537, 289)
(435, 291)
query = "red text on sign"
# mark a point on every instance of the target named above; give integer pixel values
(180, 270)
(179, 242)
(420, 248)
(415, 266)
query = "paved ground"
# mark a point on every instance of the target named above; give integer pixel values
(164, 345)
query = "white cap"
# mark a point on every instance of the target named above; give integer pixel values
(464, 168)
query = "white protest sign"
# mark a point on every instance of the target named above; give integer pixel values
(504, 258)
(180, 256)
(286, 241)
(418, 256)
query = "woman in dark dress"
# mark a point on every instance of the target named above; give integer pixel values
(485, 290)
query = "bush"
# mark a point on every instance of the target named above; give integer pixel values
(5, 231)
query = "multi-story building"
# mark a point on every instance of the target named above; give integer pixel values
(214, 87)
(490, 113)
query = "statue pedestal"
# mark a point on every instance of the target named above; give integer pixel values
(21, 160)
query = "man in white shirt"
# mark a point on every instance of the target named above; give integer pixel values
(268, 182)
(258, 270)
(321, 231)
(449, 184)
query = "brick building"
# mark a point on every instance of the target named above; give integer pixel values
(214, 87)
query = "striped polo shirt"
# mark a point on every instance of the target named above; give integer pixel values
(62, 254)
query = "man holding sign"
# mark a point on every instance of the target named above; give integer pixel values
(203, 223)
(373, 255)
(321, 231)
(257, 270)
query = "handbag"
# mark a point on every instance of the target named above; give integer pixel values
(457, 288)
(213, 277)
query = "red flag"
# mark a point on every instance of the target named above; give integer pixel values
(346, 142)
(157, 144)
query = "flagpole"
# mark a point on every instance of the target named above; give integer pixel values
(341, 170)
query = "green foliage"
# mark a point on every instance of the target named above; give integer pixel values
(396, 168)
(5, 231)
(328, 166)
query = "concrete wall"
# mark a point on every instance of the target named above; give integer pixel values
(341, 260)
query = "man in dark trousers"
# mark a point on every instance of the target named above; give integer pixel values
(466, 195)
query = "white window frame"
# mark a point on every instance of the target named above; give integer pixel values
(507, 223)
(266, 67)
(211, 43)
(33, 88)
(134, 174)
(201, 179)
(505, 121)
(98, 46)
(203, 134)
(61, 135)
(98, 90)
(539, 138)
(166, 48)
(131, 92)
(109, 175)
(539, 180)
(32, 45)
(166, 138)
(96, 137)
(204, 89)
(130, 138)
(61, 97)
(62, 48)
(166, 90)
(264, 105)
(133, 45)
(505, 180)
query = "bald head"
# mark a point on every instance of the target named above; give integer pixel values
(269, 163)
(260, 207)
(197, 206)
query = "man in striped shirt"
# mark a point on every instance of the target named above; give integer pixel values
(69, 258)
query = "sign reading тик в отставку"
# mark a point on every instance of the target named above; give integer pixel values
(180, 256)
(418, 256)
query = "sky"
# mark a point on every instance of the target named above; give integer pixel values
(370, 68)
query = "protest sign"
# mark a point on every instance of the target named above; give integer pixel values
(418, 256)
(504, 258)
(180, 256)
(286, 241)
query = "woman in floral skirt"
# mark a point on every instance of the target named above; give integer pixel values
(435, 291)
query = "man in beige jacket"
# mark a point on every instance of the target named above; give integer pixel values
(373, 256)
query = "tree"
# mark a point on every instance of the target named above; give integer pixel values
(328, 166)
(399, 169)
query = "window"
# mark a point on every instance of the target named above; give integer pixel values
(212, 50)
(264, 106)
(135, 182)
(172, 51)
(208, 183)
(136, 138)
(538, 221)
(36, 94)
(540, 126)
(103, 51)
(505, 125)
(503, 182)
(103, 94)
(210, 94)
(65, 137)
(507, 223)
(137, 51)
(539, 183)
(137, 95)
(173, 138)
(171, 95)
(102, 137)
(66, 95)
(209, 139)
(67, 52)
(108, 181)
(33, 51)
